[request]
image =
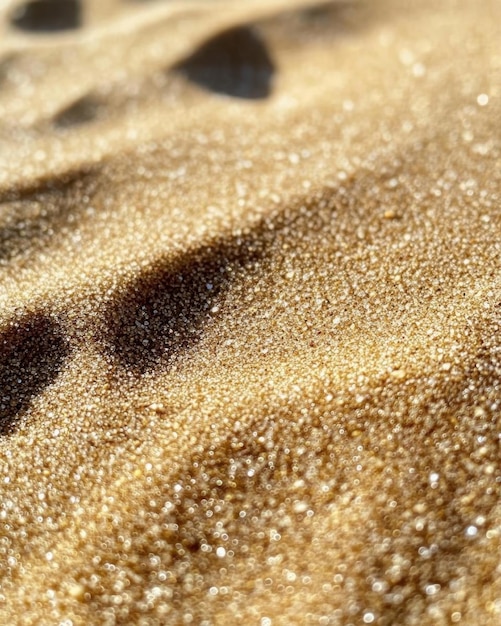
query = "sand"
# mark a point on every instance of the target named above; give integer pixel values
(250, 308)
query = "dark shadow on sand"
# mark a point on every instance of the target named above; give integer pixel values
(80, 112)
(32, 353)
(32, 216)
(47, 16)
(234, 63)
(163, 313)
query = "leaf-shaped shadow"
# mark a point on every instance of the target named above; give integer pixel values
(32, 353)
(235, 63)
(78, 113)
(40, 16)
(162, 313)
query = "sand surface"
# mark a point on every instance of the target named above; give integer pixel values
(250, 309)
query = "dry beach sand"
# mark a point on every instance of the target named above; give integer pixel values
(250, 311)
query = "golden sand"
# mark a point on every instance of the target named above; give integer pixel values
(250, 307)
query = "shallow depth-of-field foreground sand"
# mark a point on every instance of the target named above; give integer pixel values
(250, 308)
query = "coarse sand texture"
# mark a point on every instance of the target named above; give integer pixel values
(250, 310)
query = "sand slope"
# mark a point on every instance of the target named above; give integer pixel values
(249, 313)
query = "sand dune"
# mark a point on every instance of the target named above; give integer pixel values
(249, 312)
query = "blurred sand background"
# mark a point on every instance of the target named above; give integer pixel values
(250, 312)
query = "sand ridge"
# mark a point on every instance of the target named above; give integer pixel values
(250, 309)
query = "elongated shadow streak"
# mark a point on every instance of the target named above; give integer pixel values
(32, 353)
(162, 314)
(235, 63)
(32, 216)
